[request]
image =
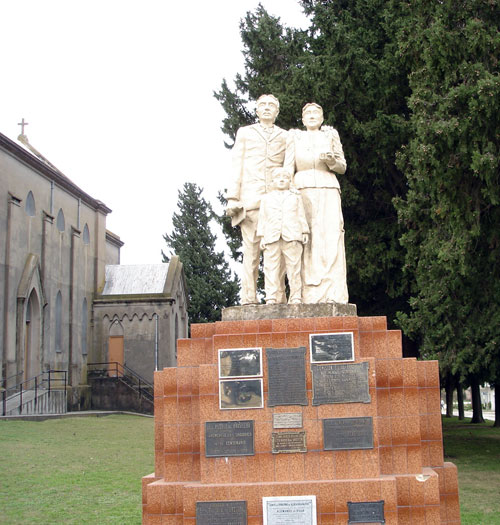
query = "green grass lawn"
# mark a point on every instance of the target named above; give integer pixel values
(475, 450)
(88, 470)
(74, 470)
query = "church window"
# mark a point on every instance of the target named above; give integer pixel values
(60, 221)
(30, 205)
(86, 235)
(84, 326)
(59, 322)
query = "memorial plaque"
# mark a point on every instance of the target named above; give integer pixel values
(346, 383)
(221, 513)
(348, 433)
(229, 438)
(288, 442)
(236, 394)
(366, 512)
(240, 362)
(327, 348)
(289, 510)
(287, 420)
(286, 376)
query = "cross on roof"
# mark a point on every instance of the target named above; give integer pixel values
(22, 124)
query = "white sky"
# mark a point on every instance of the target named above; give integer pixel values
(118, 96)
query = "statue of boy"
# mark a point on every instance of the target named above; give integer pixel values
(283, 229)
(258, 149)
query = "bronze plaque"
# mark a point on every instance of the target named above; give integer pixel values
(288, 442)
(221, 513)
(366, 512)
(348, 433)
(229, 438)
(287, 420)
(346, 383)
(286, 376)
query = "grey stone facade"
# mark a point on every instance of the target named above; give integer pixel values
(54, 248)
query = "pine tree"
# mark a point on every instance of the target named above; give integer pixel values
(210, 284)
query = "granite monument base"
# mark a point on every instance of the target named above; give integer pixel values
(387, 452)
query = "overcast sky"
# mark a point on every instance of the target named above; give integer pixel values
(118, 95)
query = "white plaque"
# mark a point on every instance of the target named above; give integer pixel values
(289, 510)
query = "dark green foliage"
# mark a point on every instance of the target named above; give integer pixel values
(347, 62)
(210, 284)
(451, 213)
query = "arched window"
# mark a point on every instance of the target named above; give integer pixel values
(59, 322)
(30, 204)
(85, 323)
(60, 221)
(86, 235)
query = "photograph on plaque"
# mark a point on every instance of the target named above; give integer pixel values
(331, 348)
(240, 362)
(229, 438)
(237, 394)
(289, 510)
(221, 512)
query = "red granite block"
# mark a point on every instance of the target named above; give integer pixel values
(267, 470)
(436, 453)
(384, 431)
(169, 381)
(238, 469)
(410, 376)
(184, 409)
(297, 339)
(421, 374)
(366, 347)
(210, 355)
(400, 459)
(325, 503)
(379, 345)
(396, 396)
(432, 515)
(394, 344)
(417, 492)
(250, 327)
(220, 342)
(433, 401)
(417, 514)
(208, 380)
(388, 492)
(225, 327)
(167, 498)
(170, 410)
(170, 439)
(265, 325)
(452, 507)
(171, 467)
(202, 330)
(169, 519)
(249, 340)
(365, 324)
(222, 470)
(383, 402)
(386, 463)
(185, 438)
(450, 478)
(341, 458)
(432, 373)
(395, 373)
(422, 400)
(262, 436)
(414, 458)
(264, 340)
(184, 376)
(413, 436)
(179, 498)
(350, 323)
(209, 408)
(431, 487)
(398, 430)
(311, 464)
(314, 434)
(279, 325)
(326, 465)
(442, 508)
(403, 491)
(382, 373)
(185, 354)
(411, 401)
(327, 411)
(278, 340)
(307, 324)
(235, 341)
(364, 464)
(434, 427)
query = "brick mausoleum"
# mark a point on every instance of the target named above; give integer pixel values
(403, 467)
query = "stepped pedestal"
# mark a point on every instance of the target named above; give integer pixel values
(380, 455)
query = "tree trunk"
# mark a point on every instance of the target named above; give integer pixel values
(477, 409)
(449, 395)
(497, 405)
(460, 400)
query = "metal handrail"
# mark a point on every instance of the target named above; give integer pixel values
(144, 387)
(38, 384)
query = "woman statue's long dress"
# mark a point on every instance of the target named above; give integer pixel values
(316, 154)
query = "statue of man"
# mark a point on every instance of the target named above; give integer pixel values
(258, 149)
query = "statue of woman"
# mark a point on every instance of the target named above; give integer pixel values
(315, 155)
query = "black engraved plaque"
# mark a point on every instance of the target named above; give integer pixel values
(288, 442)
(286, 376)
(366, 512)
(221, 513)
(332, 347)
(229, 438)
(346, 383)
(348, 433)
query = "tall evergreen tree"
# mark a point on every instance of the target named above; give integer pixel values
(452, 209)
(210, 284)
(347, 61)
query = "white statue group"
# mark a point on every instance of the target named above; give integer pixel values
(285, 197)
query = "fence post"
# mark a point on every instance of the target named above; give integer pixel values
(36, 392)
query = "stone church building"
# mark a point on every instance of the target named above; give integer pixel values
(65, 300)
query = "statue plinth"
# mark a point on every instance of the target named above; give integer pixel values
(254, 312)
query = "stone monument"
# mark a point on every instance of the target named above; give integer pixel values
(300, 414)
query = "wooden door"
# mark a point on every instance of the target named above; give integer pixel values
(115, 355)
